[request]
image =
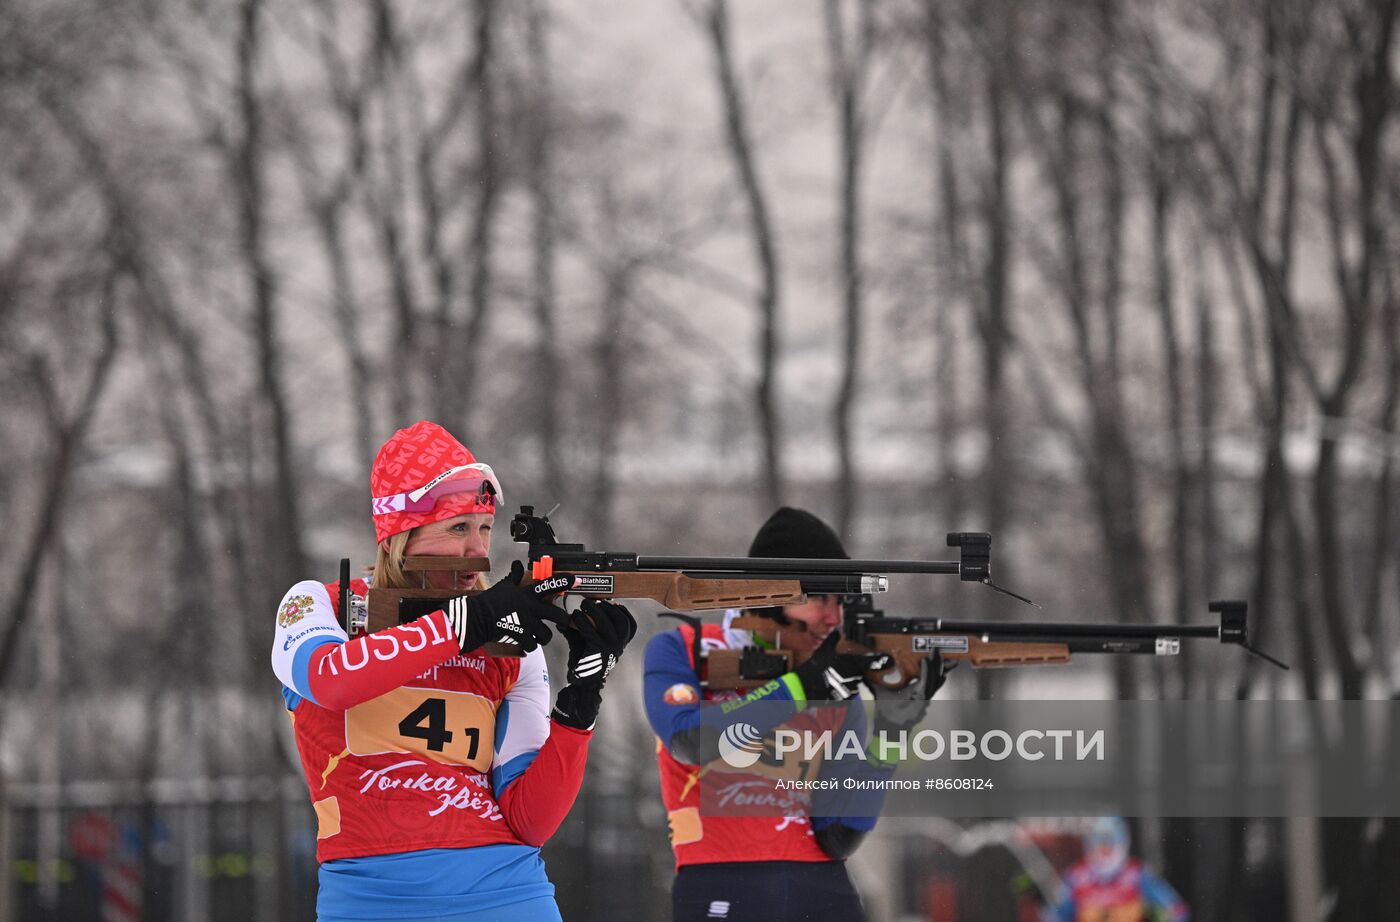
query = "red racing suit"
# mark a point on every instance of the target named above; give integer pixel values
(407, 745)
(1134, 894)
(673, 696)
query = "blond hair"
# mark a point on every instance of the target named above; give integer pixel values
(388, 571)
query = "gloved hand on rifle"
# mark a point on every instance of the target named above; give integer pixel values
(597, 633)
(831, 676)
(899, 709)
(507, 613)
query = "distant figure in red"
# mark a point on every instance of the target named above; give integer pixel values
(1108, 886)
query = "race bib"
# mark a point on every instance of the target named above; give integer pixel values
(454, 728)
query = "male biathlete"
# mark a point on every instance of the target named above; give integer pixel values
(751, 868)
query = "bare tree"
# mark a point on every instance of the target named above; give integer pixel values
(462, 364)
(998, 24)
(978, 241)
(767, 298)
(542, 126)
(1082, 139)
(1325, 76)
(246, 155)
(330, 195)
(385, 200)
(1384, 525)
(62, 287)
(1161, 165)
(950, 252)
(850, 47)
(1354, 212)
(1357, 238)
(617, 278)
(66, 422)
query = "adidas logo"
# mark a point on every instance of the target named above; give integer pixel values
(510, 622)
(589, 665)
(838, 684)
(553, 584)
(593, 663)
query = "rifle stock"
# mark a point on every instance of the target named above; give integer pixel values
(725, 667)
(680, 592)
(387, 608)
(982, 645)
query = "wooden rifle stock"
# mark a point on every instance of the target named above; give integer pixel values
(674, 590)
(725, 666)
(980, 644)
(679, 592)
(980, 654)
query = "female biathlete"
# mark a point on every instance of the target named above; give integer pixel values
(436, 771)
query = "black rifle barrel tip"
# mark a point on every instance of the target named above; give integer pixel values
(1234, 620)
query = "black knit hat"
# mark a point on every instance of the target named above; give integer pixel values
(796, 533)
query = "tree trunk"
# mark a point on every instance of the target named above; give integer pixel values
(1110, 467)
(350, 331)
(849, 58)
(456, 388)
(286, 559)
(763, 238)
(612, 389)
(1383, 562)
(1161, 180)
(993, 327)
(950, 253)
(546, 375)
(1207, 402)
(155, 306)
(1177, 832)
(328, 202)
(383, 202)
(67, 430)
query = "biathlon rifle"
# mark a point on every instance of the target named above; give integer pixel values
(980, 644)
(681, 584)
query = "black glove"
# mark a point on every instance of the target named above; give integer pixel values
(597, 634)
(506, 613)
(832, 676)
(898, 709)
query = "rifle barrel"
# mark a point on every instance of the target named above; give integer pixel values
(1038, 629)
(697, 566)
(812, 583)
